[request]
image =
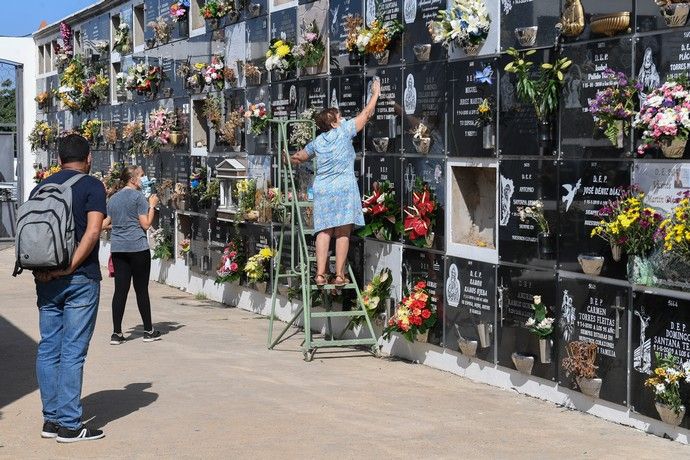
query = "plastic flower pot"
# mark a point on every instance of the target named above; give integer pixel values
(467, 347)
(616, 252)
(311, 70)
(471, 49)
(523, 363)
(422, 144)
(422, 52)
(380, 144)
(591, 265)
(668, 415)
(526, 36)
(590, 387)
(382, 57)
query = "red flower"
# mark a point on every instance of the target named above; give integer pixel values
(426, 313)
(420, 285)
(378, 209)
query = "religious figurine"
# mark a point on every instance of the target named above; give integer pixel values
(572, 19)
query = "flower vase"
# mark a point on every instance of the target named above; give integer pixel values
(640, 271)
(183, 27)
(422, 144)
(254, 9)
(261, 140)
(176, 137)
(422, 337)
(620, 138)
(668, 415)
(422, 52)
(150, 42)
(251, 216)
(545, 241)
(545, 134)
(380, 235)
(545, 350)
(260, 286)
(616, 252)
(382, 57)
(311, 70)
(254, 80)
(237, 148)
(591, 264)
(675, 14)
(355, 59)
(675, 148)
(213, 23)
(488, 137)
(233, 17)
(590, 387)
(484, 333)
(523, 363)
(471, 49)
(467, 347)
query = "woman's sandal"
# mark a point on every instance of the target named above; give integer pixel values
(320, 280)
(341, 280)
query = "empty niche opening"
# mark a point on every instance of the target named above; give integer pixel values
(114, 26)
(139, 26)
(474, 199)
(42, 59)
(198, 21)
(199, 125)
(78, 48)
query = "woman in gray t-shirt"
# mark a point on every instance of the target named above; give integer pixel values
(130, 215)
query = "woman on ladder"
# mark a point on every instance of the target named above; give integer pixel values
(337, 202)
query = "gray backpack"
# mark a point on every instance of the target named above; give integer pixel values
(45, 228)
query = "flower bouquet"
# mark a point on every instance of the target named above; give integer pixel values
(230, 76)
(665, 382)
(252, 74)
(44, 173)
(185, 246)
(79, 92)
(64, 53)
(43, 99)
(420, 217)
(143, 79)
(91, 129)
(230, 131)
(163, 245)
(614, 106)
(664, 117)
(245, 190)
(211, 110)
(231, 262)
(465, 24)
(179, 10)
(377, 292)
(414, 316)
(545, 240)
(485, 120)
(213, 73)
(374, 40)
(542, 326)
(382, 213)
(421, 138)
(580, 363)
(279, 57)
(674, 231)
(214, 10)
(311, 50)
(302, 133)
(161, 30)
(158, 130)
(122, 41)
(257, 266)
(258, 118)
(110, 136)
(42, 136)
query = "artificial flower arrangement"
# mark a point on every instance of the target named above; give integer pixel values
(375, 294)
(216, 9)
(213, 73)
(465, 24)
(133, 131)
(230, 76)
(382, 213)
(122, 41)
(665, 382)
(374, 39)
(110, 135)
(420, 216)
(231, 262)
(161, 30)
(43, 99)
(193, 75)
(42, 136)
(310, 51)
(80, 92)
(91, 129)
(535, 213)
(627, 223)
(664, 117)
(674, 231)
(120, 84)
(539, 323)
(179, 10)
(485, 112)
(102, 47)
(414, 314)
(421, 138)
(231, 130)
(580, 363)
(252, 73)
(163, 246)
(245, 190)
(614, 106)
(64, 53)
(143, 79)
(258, 118)
(302, 133)
(159, 128)
(211, 110)
(185, 247)
(279, 56)
(257, 266)
(210, 194)
(44, 173)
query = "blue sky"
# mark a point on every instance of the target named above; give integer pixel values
(22, 17)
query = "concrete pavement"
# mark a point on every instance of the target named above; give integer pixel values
(211, 389)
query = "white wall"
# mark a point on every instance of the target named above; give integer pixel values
(23, 51)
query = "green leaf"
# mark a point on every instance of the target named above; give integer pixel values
(530, 52)
(546, 65)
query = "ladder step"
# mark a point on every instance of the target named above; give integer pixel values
(330, 287)
(320, 343)
(334, 314)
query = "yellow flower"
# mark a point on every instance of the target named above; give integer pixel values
(266, 253)
(283, 50)
(278, 43)
(269, 53)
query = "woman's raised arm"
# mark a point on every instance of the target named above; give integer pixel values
(363, 116)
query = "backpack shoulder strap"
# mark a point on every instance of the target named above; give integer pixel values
(73, 180)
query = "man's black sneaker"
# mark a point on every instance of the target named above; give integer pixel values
(50, 430)
(152, 336)
(117, 339)
(80, 434)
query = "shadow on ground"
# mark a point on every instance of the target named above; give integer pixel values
(17, 363)
(106, 406)
(165, 327)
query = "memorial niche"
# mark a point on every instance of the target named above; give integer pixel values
(418, 44)
(199, 244)
(585, 187)
(649, 17)
(284, 25)
(347, 95)
(180, 29)
(527, 19)
(472, 82)
(388, 10)
(150, 15)
(257, 41)
(432, 171)
(516, 290)
(598, 313)
(424, 99)
(426, 266)
(257, 144)
(383, 132)
(660, 324)
(580, 137)
(255, 238)
(378, 168)
(470, 308)
(338, 11)
(522, 184)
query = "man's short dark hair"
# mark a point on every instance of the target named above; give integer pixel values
(73, 148)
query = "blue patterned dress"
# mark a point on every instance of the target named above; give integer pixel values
(336, 195)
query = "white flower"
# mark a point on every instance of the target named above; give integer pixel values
(123, 26)
(537, 299)
(545, 323)
(659, 388)
(530, 322)
(381, 198)
(208, 79)
(363, 41)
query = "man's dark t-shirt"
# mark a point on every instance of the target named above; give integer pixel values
(88, 194)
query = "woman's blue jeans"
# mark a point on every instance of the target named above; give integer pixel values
(67, 316)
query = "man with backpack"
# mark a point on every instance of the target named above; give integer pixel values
(58, 232)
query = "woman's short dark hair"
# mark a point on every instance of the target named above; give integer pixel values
(326, 118)
(73, 148)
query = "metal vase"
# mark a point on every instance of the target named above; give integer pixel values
(616, 252)
(523, 363)
(467, 347)
(488, 137)
(545, 350)
(546, 245)
(484, 333)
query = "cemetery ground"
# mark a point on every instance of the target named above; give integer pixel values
(211, 389)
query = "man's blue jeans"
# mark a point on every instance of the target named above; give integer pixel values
(67, 316)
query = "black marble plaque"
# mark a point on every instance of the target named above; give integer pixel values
(424, 101)
(182, 168)
(379, 168)
(383, 132)
(426, 266)
(416, 16)
(524, 183)
(470, 83)
(150, 14)
(338, 11)
(585, 187)
(284, 100)
(470, 307)
(387, 10)
(201, 262)
(432, 171)
(257, 41)
(347, 95)
(660, 324)
(597, 313)
(312, 93)
(515, 14)
(516, 290)
(579, 136)
(284, 25)
(100, 161)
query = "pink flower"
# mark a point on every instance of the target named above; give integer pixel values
(233, 266)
